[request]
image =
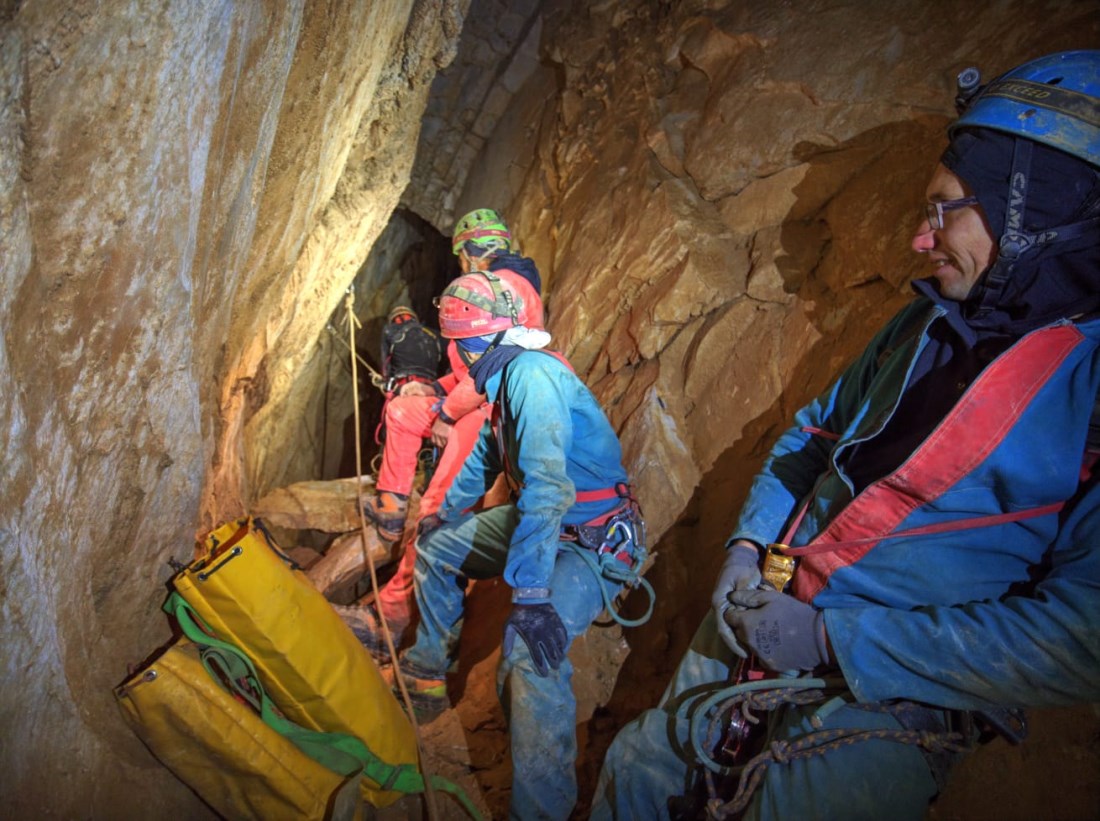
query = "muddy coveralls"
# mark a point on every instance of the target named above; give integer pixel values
(557, 443)
(409, 421)
(967, 619)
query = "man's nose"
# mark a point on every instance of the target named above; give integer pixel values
(925, 238)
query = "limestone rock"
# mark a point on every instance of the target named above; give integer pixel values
(718, 194)
(330, 506)
(345, 562)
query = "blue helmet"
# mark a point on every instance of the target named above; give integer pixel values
(1053, 100)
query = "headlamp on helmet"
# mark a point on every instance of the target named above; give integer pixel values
(1053, 100)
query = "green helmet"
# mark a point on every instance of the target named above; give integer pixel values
(485, 228)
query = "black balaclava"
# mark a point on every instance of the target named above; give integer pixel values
(1047, 283)
(524, 266)
(1057, 281)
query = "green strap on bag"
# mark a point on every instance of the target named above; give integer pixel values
(340, 752)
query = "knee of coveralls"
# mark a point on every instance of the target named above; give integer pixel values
(408, 421)
(541, 710)
(862, 781)
(464, 434)
(474, 546)
(396, 598)
(651, 759)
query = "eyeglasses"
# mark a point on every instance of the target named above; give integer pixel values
(933, 211)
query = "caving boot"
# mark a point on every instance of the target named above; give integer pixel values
(387, 511)
(427, 690)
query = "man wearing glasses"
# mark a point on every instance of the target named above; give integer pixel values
(921, 549)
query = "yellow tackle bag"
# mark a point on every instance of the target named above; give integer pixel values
(246, 592)
(219, 745)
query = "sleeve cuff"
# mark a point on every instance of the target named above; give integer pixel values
(530, 595)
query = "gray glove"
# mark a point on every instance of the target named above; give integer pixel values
(741, 571)
(784, 633)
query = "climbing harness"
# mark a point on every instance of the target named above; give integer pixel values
(613, 546)
(735, 729)
(780, 558)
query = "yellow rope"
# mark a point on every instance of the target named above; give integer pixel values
(376, 378)
(429, 793)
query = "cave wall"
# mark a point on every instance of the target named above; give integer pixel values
(186, 189)
(720, 197)
(409, 263)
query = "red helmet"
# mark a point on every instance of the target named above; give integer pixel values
(484, 302)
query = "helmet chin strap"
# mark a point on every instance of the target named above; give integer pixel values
(1015, 243)
(495, 341)
(470, 357)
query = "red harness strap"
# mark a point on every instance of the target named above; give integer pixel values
(928, 530)
(967, 435)
(597, 495)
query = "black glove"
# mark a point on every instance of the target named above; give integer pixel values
(784, 633)
(428, 524)
(741, 571)
(540, 627)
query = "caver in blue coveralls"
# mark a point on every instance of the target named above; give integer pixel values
(1004, 614)
(557, 442)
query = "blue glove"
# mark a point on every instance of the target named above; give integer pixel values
(540, 627)
(784, 633)
(429, 523)
(741, 571)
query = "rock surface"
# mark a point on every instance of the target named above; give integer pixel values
(719, 197)
(186, 191)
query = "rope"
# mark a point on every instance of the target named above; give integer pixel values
(816, 744)
(376, 378)
(783, 691)
(429, 792)
(606, 569)
(768, 695)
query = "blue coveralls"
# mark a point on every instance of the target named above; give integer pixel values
(1004, 614)
(556, 441)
